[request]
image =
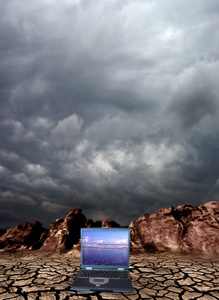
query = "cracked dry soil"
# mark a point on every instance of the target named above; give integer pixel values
(35, 275)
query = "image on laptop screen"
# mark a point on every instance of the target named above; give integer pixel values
(105, 247)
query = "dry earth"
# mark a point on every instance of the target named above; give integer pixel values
(35, 275)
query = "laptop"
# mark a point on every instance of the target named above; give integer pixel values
(104, 260)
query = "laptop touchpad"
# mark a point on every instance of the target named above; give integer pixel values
(98, 281)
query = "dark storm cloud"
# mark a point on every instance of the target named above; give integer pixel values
(195, 93)
(110, 106)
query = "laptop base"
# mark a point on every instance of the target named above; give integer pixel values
(102, 284)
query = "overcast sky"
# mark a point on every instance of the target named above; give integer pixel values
(111, 106)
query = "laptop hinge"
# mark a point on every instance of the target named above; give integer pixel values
(120, 269)
(88, 268)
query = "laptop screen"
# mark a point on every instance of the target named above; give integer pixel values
(105, 246)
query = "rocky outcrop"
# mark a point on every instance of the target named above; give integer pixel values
(24, 236)
(64, 233)
(184, 229)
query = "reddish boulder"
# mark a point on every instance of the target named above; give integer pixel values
(184, 229)
(24, 236)
(64, 233)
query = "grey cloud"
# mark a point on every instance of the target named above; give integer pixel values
(79, 80)
(195, 93)
(66, 129)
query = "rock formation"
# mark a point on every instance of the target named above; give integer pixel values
(64, 233)
(184, 229)
(24, 236)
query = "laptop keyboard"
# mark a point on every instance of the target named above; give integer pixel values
(104, 274)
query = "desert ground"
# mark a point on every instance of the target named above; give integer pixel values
(35, 275)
